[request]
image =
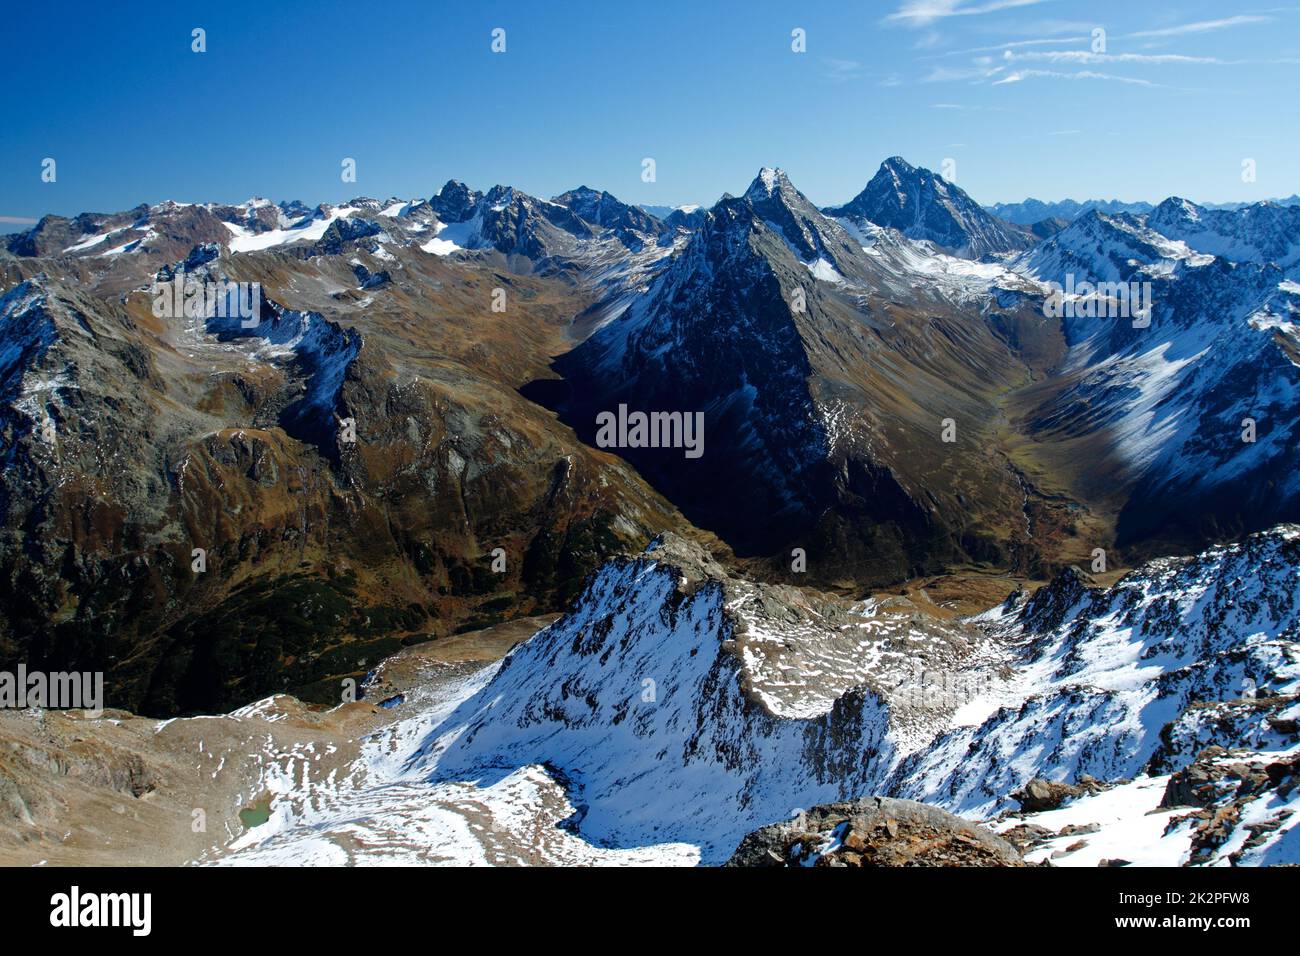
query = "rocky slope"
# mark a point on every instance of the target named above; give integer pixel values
(1069, 684)
(1111, 683)
(1184, 415)
(132, 439)
(826, 376)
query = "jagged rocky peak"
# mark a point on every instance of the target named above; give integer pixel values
(455, 201)
(1174, 209)
(1263, 232)
(1054, 602)
(692, 560)
(923, 205)
(815, 240)
(603, 209)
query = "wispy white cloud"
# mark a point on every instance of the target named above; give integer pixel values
(840, 71)
(1014, 45)
(1204, 26)
(1034, 47)
(1085, 57)
(981, 69)
(1047, 28)
(18, 219)
(920, 13)
(1020, 75)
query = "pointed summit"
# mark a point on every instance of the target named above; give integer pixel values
(899, 165)
(810, 235)
(923, 205)
(768, 181)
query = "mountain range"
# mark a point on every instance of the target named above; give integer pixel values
(886, 380)
(816, 598)
(1032, 211)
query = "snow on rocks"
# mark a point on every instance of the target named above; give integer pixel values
(1100, 673)
(676, 709)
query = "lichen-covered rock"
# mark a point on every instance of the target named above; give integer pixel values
(875, 831)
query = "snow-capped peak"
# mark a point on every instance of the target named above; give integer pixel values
(768, 181)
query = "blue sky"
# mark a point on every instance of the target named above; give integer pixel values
(1009, 89)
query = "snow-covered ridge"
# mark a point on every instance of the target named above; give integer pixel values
(1262, 232)
(1099, 674)
(245, 240)
(675, 709)
(650, 714)
(323, 350)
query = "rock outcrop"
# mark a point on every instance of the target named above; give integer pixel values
(875, 831)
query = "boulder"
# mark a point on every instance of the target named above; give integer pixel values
(875, 831)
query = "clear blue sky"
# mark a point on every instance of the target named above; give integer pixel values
(710, 89)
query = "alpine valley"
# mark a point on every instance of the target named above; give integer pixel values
(929, 548)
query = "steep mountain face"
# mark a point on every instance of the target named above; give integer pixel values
(1161, 409)
(680, 708)
(664, 724)
(689, 218)
(455, 201)
(720, 306)
(823, 246)
(922, 205)
(824, 375)
(1046, 228)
